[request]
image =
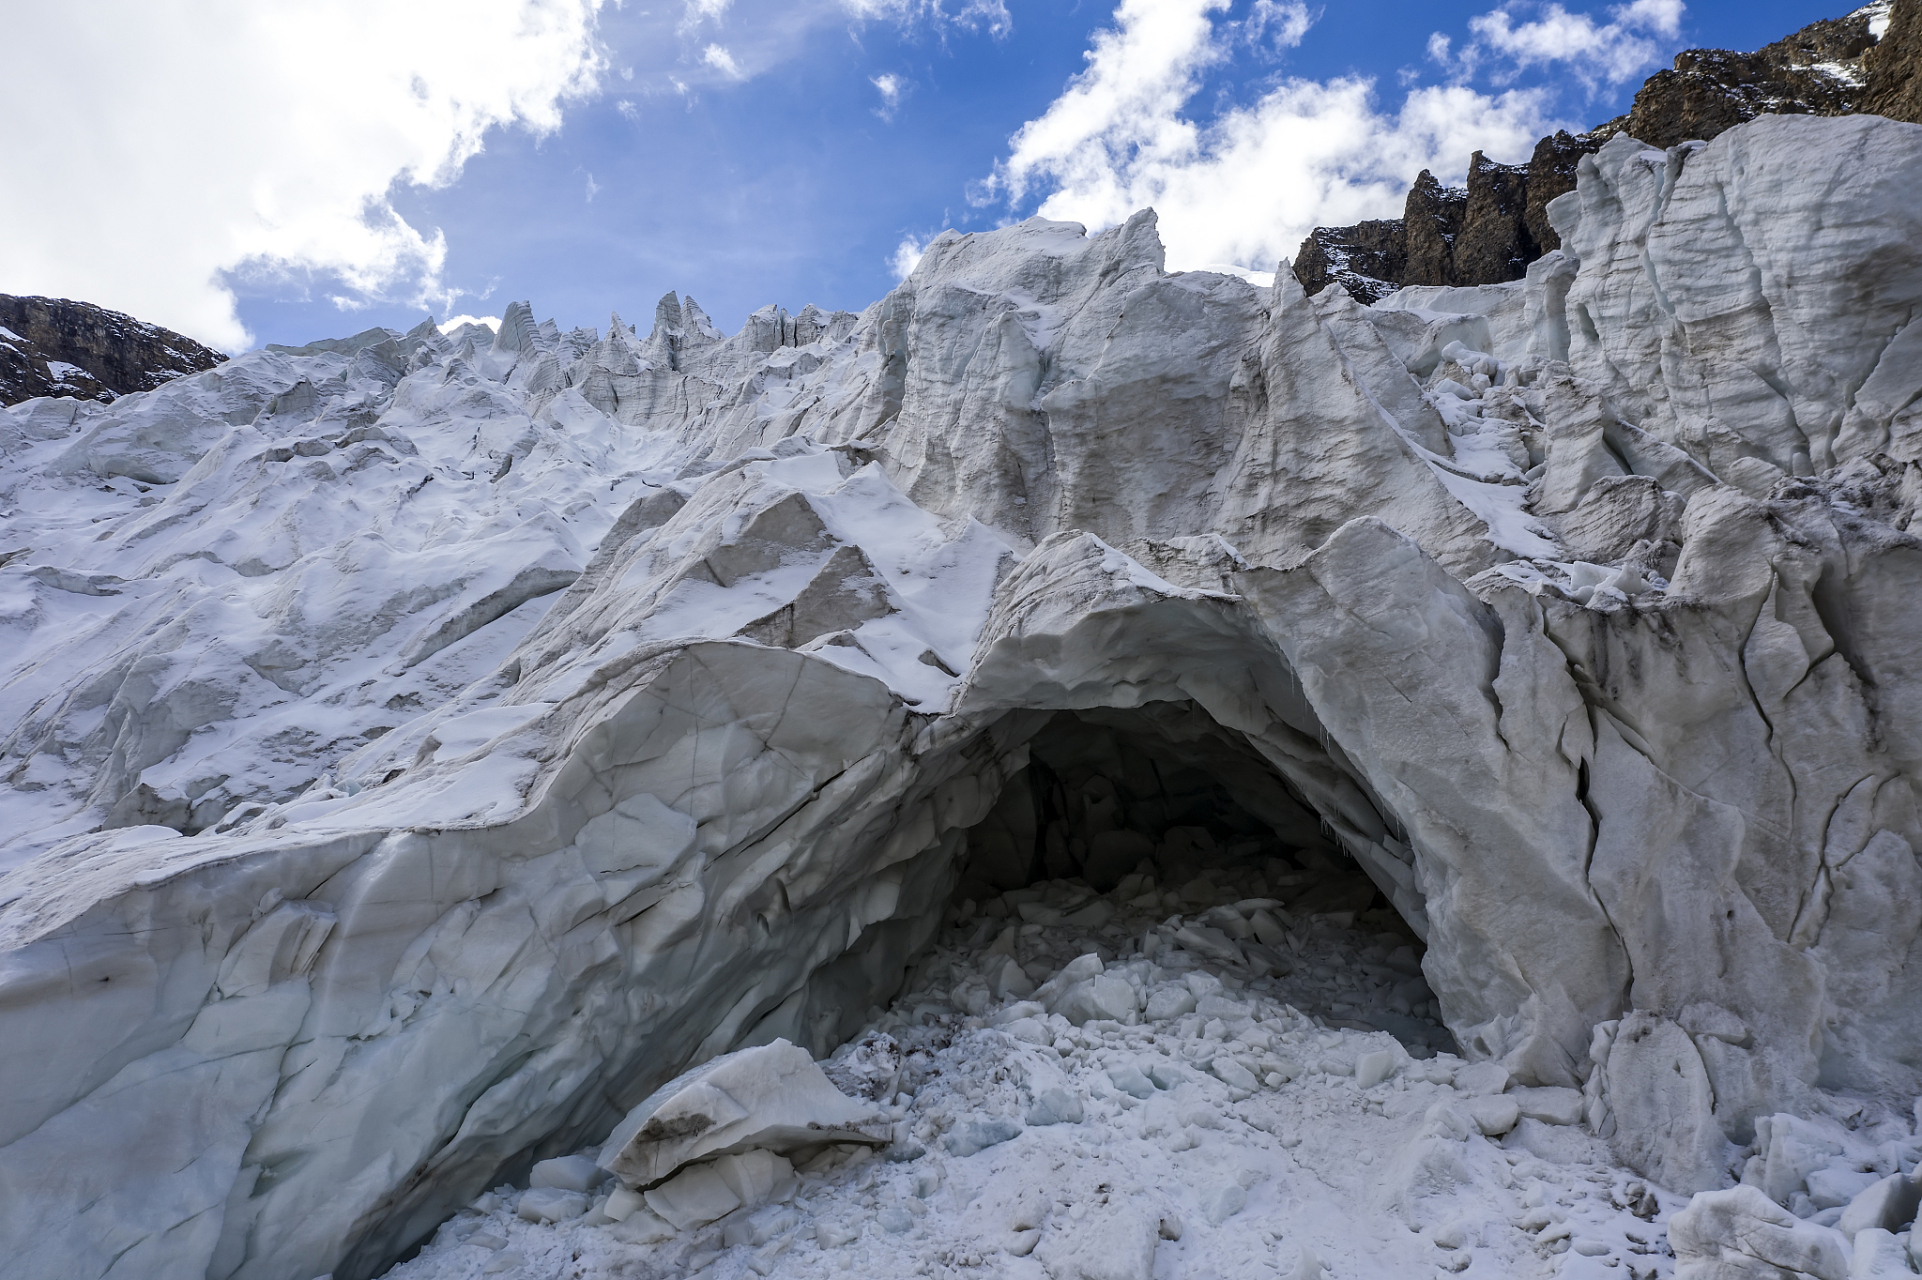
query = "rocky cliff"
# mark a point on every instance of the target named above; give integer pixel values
(1489, 231)
(1895, 66)
(418, 747)
(57, 347)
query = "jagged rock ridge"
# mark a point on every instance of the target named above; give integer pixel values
(420, 747)
(57, 347)
(1489, 231)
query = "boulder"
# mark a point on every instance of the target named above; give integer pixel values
(1740, 1231)
(771, 1096)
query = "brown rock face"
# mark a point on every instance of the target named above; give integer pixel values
(1368, 259)
(1713, 90)
(1446, 235)
(1490, 232)
(1551, 173)
(57, 347)
(1493, 243)
(1895, 66)
(1820, 70)
(1432, 219)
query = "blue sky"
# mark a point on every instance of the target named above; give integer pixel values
(750, 152)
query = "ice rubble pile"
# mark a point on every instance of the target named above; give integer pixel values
(1207, 1112)
(1222, 1109)
(422, 747)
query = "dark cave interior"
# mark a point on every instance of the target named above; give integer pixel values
(1163, 799)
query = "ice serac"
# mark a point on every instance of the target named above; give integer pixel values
(420, 748)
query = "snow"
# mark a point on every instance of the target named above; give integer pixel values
(1878, 14)
(1273, 1126)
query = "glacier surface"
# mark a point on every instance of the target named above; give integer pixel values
(421, 747)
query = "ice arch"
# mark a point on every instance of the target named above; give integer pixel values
(332, 1039)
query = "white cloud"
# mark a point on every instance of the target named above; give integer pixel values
(699, 11)
(721, 60)
(1280, 23)
(264, 140)
(454, 322)
(1245, 187)
(890, 87)
(970, 15)
(593, 188)
(906, 256)
(1611, 52)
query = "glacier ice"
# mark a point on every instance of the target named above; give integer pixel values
(423, 747)
(768, 1097)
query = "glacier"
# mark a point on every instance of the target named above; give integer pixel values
(421, 747)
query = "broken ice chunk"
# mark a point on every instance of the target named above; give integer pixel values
(979, 1134)
(1481, 1078)
(1376, 1066)
(1550, 1106)
(1166, 1075)
(1831, 1187)
(1092, 916)
(832, 1235)
(693, 1197)
(1170, 1001)
(569, 1173)
(1234, 1075)
(759, 1227)
(1889, 1203)
(1098, 997)
(1879, 1253)
(1055, 1106)
(1223, 1202)
(1204, 941)
(1029, 1031)
(1739, 1227)
(642, 1226)
(623, 1203)
(1494, 1116)
(1267, 929)
(1006, 979)
(551, 1204)
(866, 1068)
(756, 1176)
(1219, 1006)
(770, 1096)
(1130, 1079)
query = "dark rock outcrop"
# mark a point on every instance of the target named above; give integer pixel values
(1895, 66)
(1431, 220)
(1491, 230)
(1551, 173)
(58, 347)
(1476, 234)
(1368, 259)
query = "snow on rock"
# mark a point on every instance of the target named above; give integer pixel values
(420, 748)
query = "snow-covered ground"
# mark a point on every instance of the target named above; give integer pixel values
(1239, 1119)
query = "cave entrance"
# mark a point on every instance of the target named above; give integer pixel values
(1155, 829)
(1165, 794)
